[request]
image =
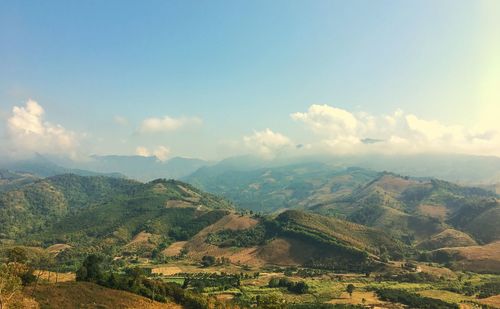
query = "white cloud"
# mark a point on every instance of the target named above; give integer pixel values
(341, 131)
(162, 153)
(142, 151)
(324, 118)
(27, 132)
(165, 124)
(266, 143)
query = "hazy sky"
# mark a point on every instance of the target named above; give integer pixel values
(216, 78)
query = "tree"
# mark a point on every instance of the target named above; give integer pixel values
(90, 269)
(10, 284)
(208, 260)
(350, 289)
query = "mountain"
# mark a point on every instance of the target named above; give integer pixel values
(65, 205)
(10, 180)
(293, 186)
(463, 169)
(413, 208)
(139, 167)
(116, 216)
(40, 166)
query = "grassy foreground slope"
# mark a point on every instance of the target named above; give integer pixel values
(90, 295)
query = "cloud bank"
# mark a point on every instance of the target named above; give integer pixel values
(267, 143)
(28, 132)
(162, 153)
(344, 132)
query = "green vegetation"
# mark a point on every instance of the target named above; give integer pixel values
(239, 238)
(134, 280)
(413, 300)
(270, 189)
(295, 287)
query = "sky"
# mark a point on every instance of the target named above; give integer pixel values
(212, 79)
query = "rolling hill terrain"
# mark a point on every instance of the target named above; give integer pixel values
(414, 209)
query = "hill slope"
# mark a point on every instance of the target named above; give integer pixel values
(294, 238)
(292, 186)
(102, 213)
(89, 295)
(415, 209)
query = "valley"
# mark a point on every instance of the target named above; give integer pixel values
(397, 240)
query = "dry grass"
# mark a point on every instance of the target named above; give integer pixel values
(370, 298)
(198, 247)
(178, 204)
(89, 295)
(478, 258)
(394, 184)
(140, 238)
(174, 249)
(57, 248)
(434, 211)
(167, 270)
(52, 277)
(448, 238)
(493, 301)
(438, 271)
(285, 251)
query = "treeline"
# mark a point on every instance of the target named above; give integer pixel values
(410, 277)
(295, 287)
(239, 238)
(413, 300)
(482, 290)
(340, 265)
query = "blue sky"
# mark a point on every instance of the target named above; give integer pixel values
(231, 73)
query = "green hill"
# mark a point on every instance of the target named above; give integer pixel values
(414, 209)
(91, 214)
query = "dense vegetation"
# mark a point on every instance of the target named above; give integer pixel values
(413, 209)
(134, 280)
(295, 287)
(239, 238)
